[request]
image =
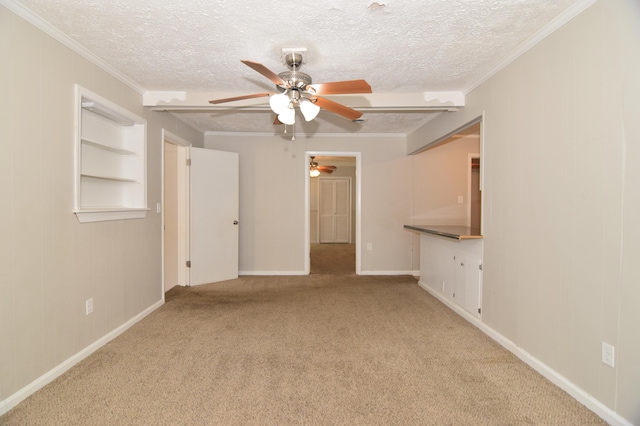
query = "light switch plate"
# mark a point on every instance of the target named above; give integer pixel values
(608, 354)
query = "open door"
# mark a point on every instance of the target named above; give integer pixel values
(213, 216)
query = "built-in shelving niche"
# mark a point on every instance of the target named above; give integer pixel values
(111, 159)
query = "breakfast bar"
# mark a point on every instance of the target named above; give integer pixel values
(449, 231)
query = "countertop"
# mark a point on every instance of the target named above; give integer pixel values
(449, 231)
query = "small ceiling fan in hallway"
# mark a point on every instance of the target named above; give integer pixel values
(315, 168)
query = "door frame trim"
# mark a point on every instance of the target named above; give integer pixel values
(168, 137)
(470, 158)
(307, 208)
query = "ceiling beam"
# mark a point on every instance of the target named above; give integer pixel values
(388, 102)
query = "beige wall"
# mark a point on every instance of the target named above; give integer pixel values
(562, 200)
(440, 176)
(272, 200)
(49, 262)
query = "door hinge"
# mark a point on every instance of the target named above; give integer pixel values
(479, 310)
(188, 161)
(480, 266)
(188, 264)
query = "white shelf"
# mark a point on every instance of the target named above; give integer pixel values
(116, 114)
(109, 213)
(111, 160)
(115, 150)
(111, 178)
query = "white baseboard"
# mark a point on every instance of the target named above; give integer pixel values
(414, 273)
(60, 369)
(606, 413)
(267, 273)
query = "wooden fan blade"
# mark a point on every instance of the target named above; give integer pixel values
(277, 122)
(239, 98)
(337, 108)
(341, 87)
(267, 73)
(326, 169)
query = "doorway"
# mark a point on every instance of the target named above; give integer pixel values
(200, 192)
(333, 255)
(175, 213)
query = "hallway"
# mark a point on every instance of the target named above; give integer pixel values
(337, 259)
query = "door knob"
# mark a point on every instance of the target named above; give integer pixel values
(235, 222)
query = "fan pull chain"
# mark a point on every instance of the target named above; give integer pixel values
(293, 133)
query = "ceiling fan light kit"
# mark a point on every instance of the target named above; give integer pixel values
(295, 88)
(309, 109)
(279, 103)
(288, 116)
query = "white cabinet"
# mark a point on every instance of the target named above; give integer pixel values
(452, 269)
(111, 160)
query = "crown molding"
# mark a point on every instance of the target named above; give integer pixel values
(29, 16)
(571, 12)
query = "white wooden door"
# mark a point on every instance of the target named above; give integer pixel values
(335, 210)
(213, 216)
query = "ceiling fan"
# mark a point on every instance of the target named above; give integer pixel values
(295, 88)
(315, 168)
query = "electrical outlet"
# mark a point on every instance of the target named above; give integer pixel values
(89, 306)
(158, 207)
(460, 199)
(442, 286)
(608, 354)
(369, 246)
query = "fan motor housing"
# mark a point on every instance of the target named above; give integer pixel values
(296, 78)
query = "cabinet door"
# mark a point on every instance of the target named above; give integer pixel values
(467, 282)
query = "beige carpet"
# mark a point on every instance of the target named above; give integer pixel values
(315, 350)
(339, 259)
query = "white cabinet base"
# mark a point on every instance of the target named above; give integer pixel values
(452, 269)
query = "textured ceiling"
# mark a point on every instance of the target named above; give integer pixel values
(399, 47)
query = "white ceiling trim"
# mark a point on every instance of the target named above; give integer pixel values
(304, 135)
(573, 11)
(388, 102)
(52, 31)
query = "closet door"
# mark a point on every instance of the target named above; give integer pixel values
(334, 205)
